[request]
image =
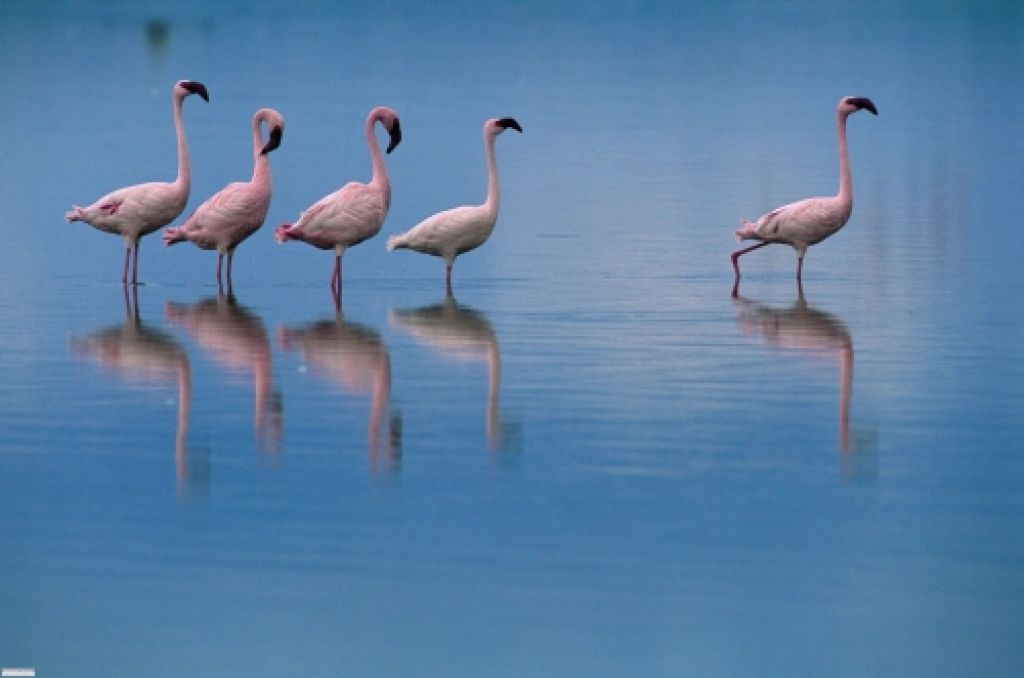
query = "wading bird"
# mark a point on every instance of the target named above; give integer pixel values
(356, 211)
(238, 210)
(452, 232)
(807, 222)
(135, 211)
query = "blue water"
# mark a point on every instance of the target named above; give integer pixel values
(592, 460)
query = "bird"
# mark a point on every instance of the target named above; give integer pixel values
(461, 229)
(239, 209)
(807, 222)
(356, 211)
(135, 211)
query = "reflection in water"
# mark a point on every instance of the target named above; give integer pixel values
(237, 339)
(355, 357)
(465, 334)
(808, 330)
(136, 351)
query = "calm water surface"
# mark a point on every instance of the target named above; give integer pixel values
(592, 460)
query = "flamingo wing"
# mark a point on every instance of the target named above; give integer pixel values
(451, 232)
(231, 214)
(805, 221)
(346, 217)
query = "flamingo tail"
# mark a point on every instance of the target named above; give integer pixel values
(74, 214)
(397, 242)
(283, 234)
(748, 231)
(174, 235)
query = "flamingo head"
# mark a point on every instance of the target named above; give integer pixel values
(186, 87)
(389, 118)
(275, 123)
(853, 104)
(496, 126)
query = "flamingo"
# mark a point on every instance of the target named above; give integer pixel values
(356, 211)
(135, 211)
(807, 222)
(452, 232)
(238, 210)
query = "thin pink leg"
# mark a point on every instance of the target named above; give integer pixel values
(220, 257)
(135, 263)
(448, 279)
(736, 264)
(231, 257)
(127, 256)
(336, 277)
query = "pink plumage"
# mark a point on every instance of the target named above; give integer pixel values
(239, 209)
(355, 212)
(135, 211)
(807, 222)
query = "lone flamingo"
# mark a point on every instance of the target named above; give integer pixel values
(807, 222)
(135, 211)
(239, 209)
(461, 229)
(356, 211)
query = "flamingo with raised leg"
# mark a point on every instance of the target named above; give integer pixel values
(356, 211)
(807, 222)
(461, 229)
(135, 211)
(239, 209)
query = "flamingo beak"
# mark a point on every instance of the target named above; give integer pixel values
(865, 103)
(196, 88)
(275, 140)
(396, 136)
(506, 123)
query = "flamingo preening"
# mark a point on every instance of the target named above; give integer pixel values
(239, 209)
(461, 229)
(135, 211)
(807, 222)
(356, 211)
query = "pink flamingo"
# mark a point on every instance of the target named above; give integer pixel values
(239, 209)
(461, 229)
(356, 211)
(135, 211)
(807, 222)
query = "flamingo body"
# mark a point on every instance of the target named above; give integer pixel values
(461, 229)
(238, 210)
(807, 222)
(136, 211)
(355, 212)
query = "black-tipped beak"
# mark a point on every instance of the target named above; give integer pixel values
(396, 136)
(196, 88)
(865, 103)
(275, 140)
(506, 123)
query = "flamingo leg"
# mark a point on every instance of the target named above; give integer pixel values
(448, 279)
(135, 263)
(220, 257)
(336, 277)
(231, 257)
(736, 264)
(127, 256)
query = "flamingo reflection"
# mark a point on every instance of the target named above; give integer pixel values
(137, 352)
(236, 338)
(354, 356)
(464, 334)
(808, 330)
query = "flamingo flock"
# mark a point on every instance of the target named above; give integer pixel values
(356, 212)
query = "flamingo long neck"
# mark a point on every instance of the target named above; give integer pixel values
(184, 180)
(493, 190)
(261, 161)
(845, 177)
(380, 170)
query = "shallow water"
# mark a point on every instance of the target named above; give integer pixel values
(591, 460)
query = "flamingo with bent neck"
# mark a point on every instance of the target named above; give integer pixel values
(239, 209)
(135, 211)
(807, 222)
(356, 211)
(461, 229)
